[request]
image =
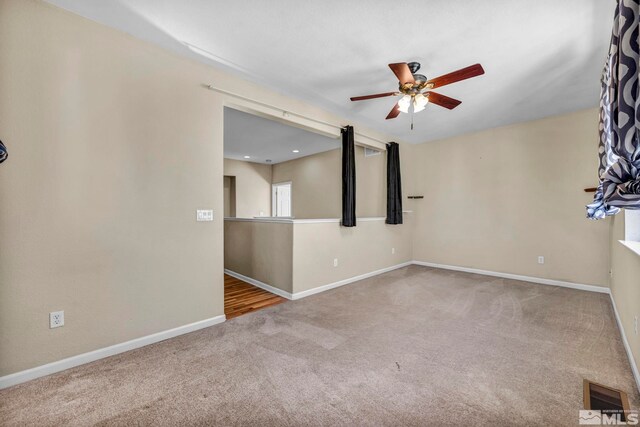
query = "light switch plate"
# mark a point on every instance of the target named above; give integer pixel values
(204, 215)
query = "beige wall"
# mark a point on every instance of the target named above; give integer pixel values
(253, 187)
(260, 250)
(359, 250)
(625, 283)
(110, 143)
(317, 184)
(497, 199)
(114, 143)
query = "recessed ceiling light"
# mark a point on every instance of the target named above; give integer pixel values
(247, 157)
(296, 151)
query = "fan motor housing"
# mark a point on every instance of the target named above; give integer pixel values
(413, 66)
(420, 81)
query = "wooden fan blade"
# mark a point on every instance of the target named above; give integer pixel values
(395, 111)
(377, 95)
(443, 101)
(456, 76)
(402, 72)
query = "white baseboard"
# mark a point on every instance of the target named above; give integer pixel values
(627, 347)
(337, 284)
(590, 288)
(539, 280)
(81, 359)
(298, 295)
(259, 284)
(40, 371)
(312, 291)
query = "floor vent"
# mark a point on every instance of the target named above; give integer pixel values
(605, 401)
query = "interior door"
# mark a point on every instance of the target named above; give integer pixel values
(282, 199)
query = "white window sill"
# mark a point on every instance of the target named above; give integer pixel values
(634, 246)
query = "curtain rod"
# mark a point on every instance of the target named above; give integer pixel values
(286, 112)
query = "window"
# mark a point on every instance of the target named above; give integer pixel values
(632, 225)
(281, 199)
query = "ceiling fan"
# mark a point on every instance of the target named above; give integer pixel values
(411, 86)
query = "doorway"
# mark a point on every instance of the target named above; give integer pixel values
(263, 158)
(281, 199)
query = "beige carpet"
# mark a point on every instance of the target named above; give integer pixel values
(416, 346)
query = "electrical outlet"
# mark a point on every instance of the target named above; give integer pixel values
(335, 262)
(540, 260)
(635, 325)
(393, 251)
(56, 319)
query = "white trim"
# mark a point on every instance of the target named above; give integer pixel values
(627, 347)
(339, 283)
(371, 218)
(336, 220)
(631, 245)
(539, 280)
(259, 284)
(51, 368)
(291, 220)
(316, 221)
(277, 220)
(312, 291)
(81, 359)
(590, 288)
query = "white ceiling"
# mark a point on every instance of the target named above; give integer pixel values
(541, 57)
(263, 139)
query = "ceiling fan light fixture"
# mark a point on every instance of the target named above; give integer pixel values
(420, 102)
(404, 103)
(411, 84)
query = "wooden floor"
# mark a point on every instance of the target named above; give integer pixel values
(241, 298)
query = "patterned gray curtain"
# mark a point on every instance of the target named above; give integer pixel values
(619, 147)
(3, 152)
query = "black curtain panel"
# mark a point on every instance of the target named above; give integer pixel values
(394, 185)
(348, 178)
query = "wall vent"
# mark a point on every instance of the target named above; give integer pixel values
(368, 152)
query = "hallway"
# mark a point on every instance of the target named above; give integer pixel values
(240, 297)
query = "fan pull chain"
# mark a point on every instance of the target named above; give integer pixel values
(412, 119)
